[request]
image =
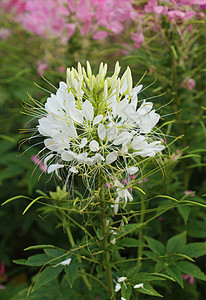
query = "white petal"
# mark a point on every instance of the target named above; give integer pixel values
(98, 157)
(54, 167)
(88, 110)
(47, 158)
(83, 143)
(117, 287)
(121, 279)
(132, 170)
(137, 89)
(111, 157)
(101, 131)
(50, 144)
(97, 119)
(124, 86)
(68, 155)
(73, 170)
(64, 263)
(94, 146)
(112, 133)
(76, 115)
(122, 298)
(81, 158)
(137, 286)
(123, 137)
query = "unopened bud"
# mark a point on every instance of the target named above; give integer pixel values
(105, 89)
(89, 70)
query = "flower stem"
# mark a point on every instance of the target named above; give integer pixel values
(106, 262)
(82, 271)
(140, 248)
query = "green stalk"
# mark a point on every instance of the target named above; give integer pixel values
(82, 271)
(140, 236)
(105, 244)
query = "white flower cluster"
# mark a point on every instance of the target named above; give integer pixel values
(96, 121)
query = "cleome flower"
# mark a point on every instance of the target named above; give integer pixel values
(94, 122)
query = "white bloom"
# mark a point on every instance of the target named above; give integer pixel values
(64, 263)
(138, 286)
(97, 122)
(117, 287)
(121, 279)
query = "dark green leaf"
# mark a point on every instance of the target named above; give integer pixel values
(126, 291)
(35, 260)
(130, 242)
(191, 269)
(174, 272)
(71, 273)
(156, 246)
(176, 242)
(195, 249)
(46, 275)
(148, 289)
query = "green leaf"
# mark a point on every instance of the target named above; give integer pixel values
(55, 252)
(47, 275)
(176, 242)
(195, 249)
(130, 242)
(174, 272)
(191, 269)
(156, 246)
(126, 291)
(184, 212)
(163, 276)
(34, 260)
(133, 271)
(71, 273)
(148, 289)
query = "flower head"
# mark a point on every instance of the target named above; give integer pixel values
(96, 122)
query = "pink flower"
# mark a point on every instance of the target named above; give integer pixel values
(2, 271)
(141, 181)
(160, 219)
(191, 279)
(180, 15)
(152, 7)
(62, 69)
(188, 83)
(39, 163)
(41, 67)
(108, 185)
(188, 192)
(5, 33)
(138, 38)
(2, 287)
